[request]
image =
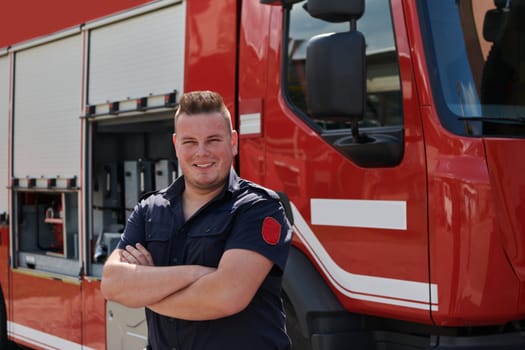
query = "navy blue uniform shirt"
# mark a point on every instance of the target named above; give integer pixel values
(243, 216)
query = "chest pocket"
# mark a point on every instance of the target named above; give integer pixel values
(206, 240)
(158, 234)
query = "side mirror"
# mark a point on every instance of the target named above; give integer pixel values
(494, 24)
(336, 10)
(284, 3)
(336, 75)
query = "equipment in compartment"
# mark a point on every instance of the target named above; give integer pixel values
(107, 242)
(165, 173)
(41, 224)
(107, 196)
(138, 179)
(47, 228)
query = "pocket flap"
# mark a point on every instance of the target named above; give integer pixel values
(156, 231)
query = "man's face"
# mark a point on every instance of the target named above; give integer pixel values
(205, 149)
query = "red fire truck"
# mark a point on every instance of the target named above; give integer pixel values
(395, 131)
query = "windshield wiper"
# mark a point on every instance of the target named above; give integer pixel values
(516, 119)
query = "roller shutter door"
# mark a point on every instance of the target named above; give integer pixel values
(4, 130)
(48, 88)
(137, 57)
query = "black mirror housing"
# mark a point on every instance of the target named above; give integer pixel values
(336, 10)
(336, 75)
(284, 3)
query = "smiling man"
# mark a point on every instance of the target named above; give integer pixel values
(205, 256)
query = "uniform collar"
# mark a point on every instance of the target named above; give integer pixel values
(234, 181)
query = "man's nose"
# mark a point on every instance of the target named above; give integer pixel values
(202, 148)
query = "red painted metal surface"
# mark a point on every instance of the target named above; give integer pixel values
(25, 20)
(506, 162)
(47, 304)
(467, 259)
(93, 315)
(253, 63)
(4, 259)
(210, 58)
(415, 42)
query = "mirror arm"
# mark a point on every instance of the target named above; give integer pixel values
(353, 25)
(355, 131)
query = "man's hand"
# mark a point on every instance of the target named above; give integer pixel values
(139, 255)
(136, 255)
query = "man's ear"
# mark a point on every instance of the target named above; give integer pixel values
(174, 138)
(235, 142)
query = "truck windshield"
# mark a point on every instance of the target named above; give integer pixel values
(476, 51)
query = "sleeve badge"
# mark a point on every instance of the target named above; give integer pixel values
(271, 230)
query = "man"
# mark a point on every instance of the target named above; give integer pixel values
(205, 256)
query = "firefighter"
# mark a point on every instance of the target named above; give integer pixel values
(205, 256)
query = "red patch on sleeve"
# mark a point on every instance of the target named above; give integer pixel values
(271, 231)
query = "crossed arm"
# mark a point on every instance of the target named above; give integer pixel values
(194, 292)
(132, 280)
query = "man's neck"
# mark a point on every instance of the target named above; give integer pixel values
(193, 200)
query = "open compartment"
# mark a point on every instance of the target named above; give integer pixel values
(131, 157)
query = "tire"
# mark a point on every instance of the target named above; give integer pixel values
(299, 342)
(5, 343)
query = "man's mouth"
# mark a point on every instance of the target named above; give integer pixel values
(203, 165)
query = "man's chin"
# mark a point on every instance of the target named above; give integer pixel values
(209, 185)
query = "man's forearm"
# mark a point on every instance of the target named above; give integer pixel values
(206, 299)
(224, 292)
(136, 285)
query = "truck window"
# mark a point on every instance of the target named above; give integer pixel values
(382, 122)
(476, 50)
(384, 103)
(46, 226)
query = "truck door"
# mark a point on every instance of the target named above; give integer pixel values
(359, 202)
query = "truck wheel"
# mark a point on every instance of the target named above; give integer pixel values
(5, 343)
(299, 342)
(3, 321)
